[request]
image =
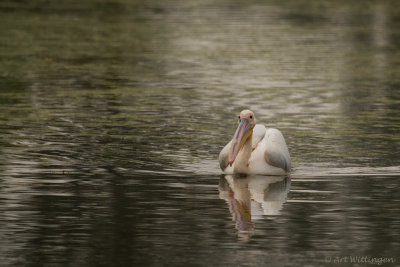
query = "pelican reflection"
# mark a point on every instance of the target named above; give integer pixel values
(251, 197)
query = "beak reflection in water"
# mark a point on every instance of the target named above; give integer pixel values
(250, 198)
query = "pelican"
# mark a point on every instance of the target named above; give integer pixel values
(255, 149)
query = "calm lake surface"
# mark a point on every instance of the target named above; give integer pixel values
(112, 115)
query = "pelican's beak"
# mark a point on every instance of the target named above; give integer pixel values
(243, 132)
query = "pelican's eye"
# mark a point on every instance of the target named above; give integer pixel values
(251, 117)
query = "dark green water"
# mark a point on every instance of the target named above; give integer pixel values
(112, 115)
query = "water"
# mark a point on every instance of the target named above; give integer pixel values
(112, 115)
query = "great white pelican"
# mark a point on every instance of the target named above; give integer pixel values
(255, 149)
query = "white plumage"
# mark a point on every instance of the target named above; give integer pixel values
(260, 151)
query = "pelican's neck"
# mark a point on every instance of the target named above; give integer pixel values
(242, 159)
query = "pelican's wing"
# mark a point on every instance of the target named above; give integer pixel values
(276, 153)
(224, 156)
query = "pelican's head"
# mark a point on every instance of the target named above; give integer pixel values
(246, 123)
